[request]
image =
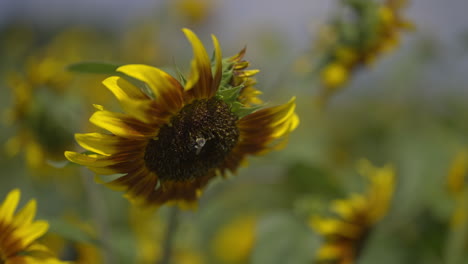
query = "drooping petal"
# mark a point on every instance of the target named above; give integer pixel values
(107, 144)
(261, 128)
(122, 89)
(202, 66)
(167, 90)
(121, 124)
(93, 160)
(218, 65)
(134, 101)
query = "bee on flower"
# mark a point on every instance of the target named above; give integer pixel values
(176, 136)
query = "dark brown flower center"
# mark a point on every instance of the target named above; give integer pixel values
(197, 140)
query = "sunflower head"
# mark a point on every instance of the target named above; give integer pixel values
(19, 232)
(345, 235)
(172, 140)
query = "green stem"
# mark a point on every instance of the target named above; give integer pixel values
(98, 212)
(456, 241)
(168, 244)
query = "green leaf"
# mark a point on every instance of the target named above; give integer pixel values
(70, 231)
(93, 67)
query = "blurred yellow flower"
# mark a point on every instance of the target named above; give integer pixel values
(334, 75)
(44, 129)
(172, 142)
(194, 11)
(350, 42)
(345, 235)
(457, 173)
(235, 241)
(19, 232)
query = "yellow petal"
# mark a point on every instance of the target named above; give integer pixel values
(92, 160)
(218, 66)
(32, 232)
(103, 144)
(121, 124)
(39, 248)
(193, 78)
(26, 215)
(271, 116)
(148, 111)
(9, 205)
(121, 88)
(203, 88)
(328, 251)
(331, 226)
(167, 90)
(343, 208)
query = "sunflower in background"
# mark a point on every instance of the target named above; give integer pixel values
(175, 138)
(456, 185)
(235, 240)
(19, 232)
(345, 235)
(43, 105)
(194, 12)
(357, 39)
(457, 173)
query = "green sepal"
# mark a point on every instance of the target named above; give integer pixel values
(230, 95)
(227, 74)
(93, 67)
(180, 76)
(240, 110)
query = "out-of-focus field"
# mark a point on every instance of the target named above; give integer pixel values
(408, 108)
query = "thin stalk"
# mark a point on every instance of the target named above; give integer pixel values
(98, 213)
(456, 241)
(168, 243)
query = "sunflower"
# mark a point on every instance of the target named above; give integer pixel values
(346, 234)
(19, 232)
(350, 43)
(171, 142)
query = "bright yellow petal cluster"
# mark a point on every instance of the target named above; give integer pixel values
(19, 232)
(345, 234)
(345, 54)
